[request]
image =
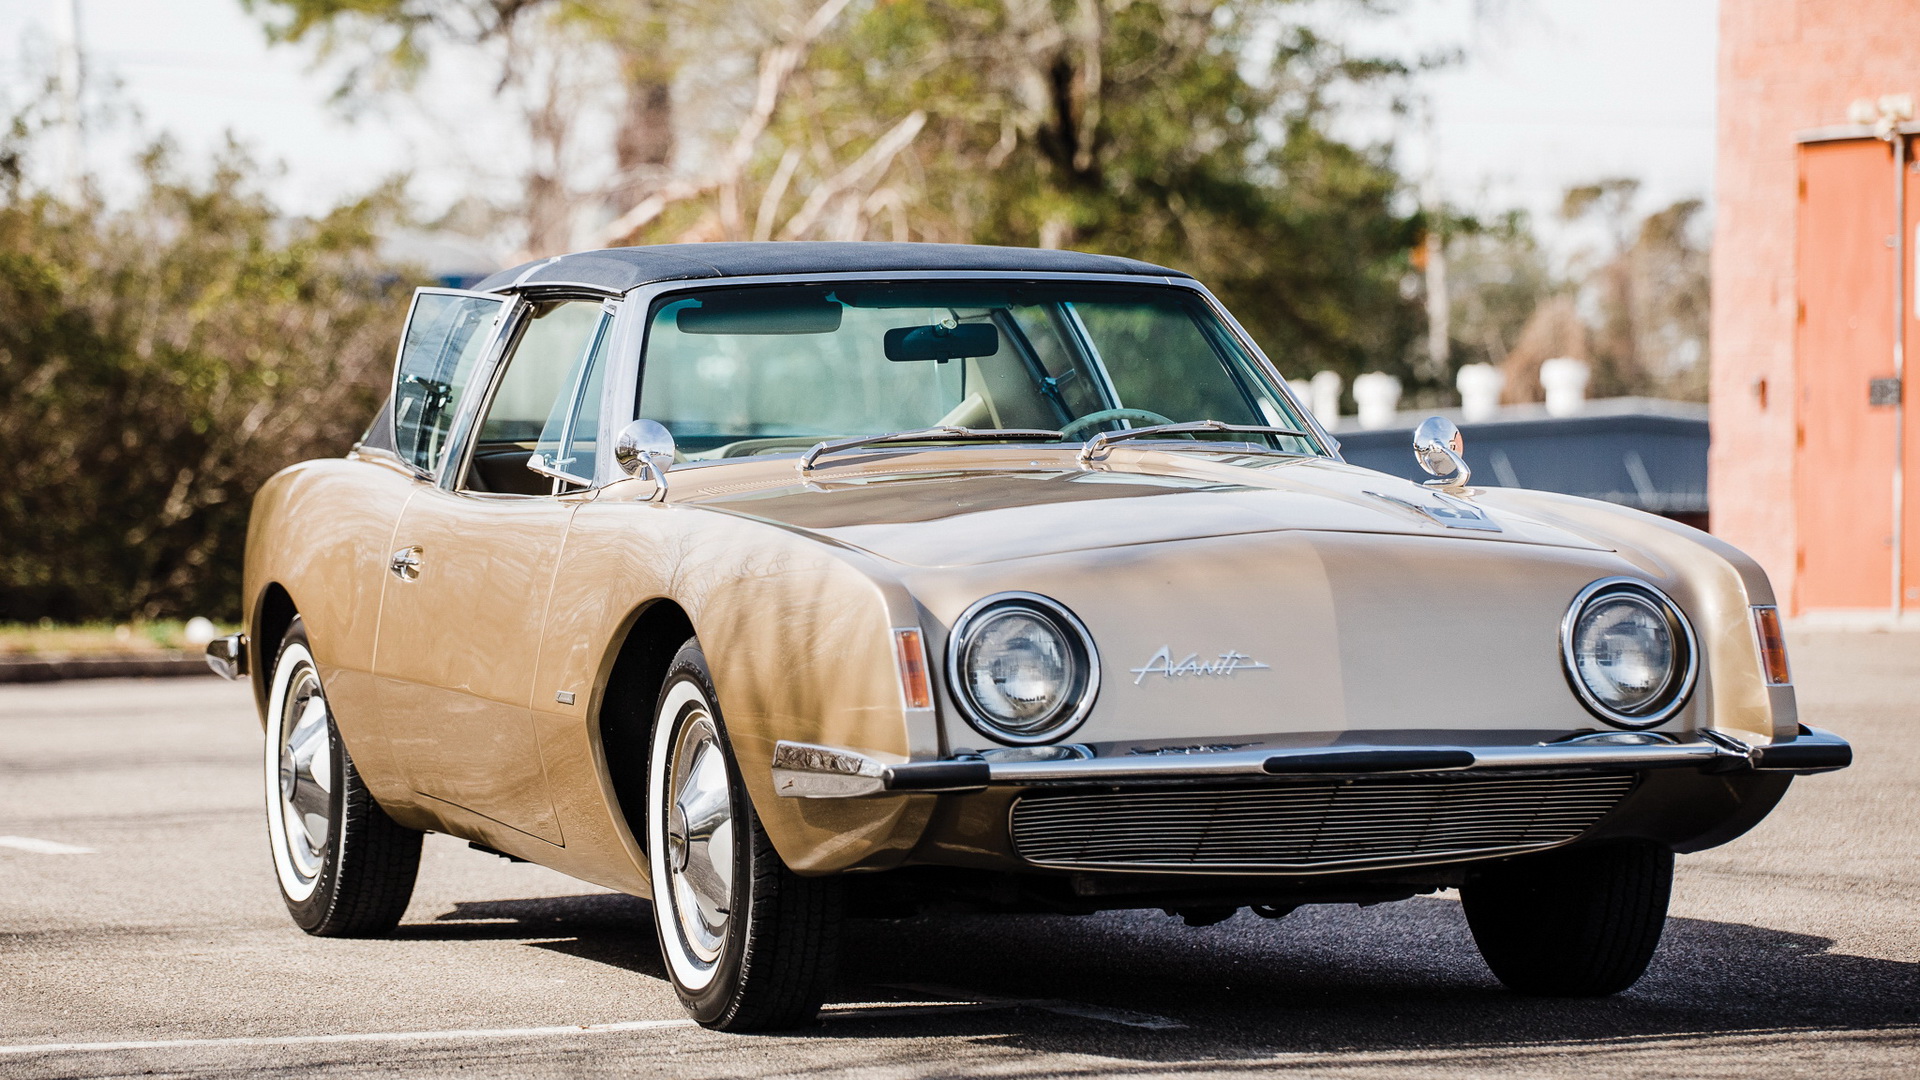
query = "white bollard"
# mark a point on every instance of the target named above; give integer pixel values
(1324, 396)
(1565, 381)
(1479, 386)
(1302, 391)
(199, 631)
(1378, 396)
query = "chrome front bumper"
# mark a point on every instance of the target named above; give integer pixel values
(227, 656)
(805, 771)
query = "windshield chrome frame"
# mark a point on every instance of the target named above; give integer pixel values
(620, 404)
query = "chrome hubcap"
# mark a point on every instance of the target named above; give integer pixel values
(699, 814)
(305, 775)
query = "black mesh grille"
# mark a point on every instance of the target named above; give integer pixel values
(1310, 826)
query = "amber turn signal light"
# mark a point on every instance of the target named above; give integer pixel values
(912, 657)
(1773, 646)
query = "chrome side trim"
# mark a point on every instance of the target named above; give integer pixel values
(806, 771)
(801, 770)
(227, 656)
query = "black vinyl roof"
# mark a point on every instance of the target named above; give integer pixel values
(620, 269)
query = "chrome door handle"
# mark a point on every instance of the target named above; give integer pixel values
(405, 564)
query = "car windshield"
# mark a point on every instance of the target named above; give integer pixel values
(774, 369)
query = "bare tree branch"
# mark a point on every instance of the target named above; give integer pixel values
(777, 65)
(776, 190)
(865, 170)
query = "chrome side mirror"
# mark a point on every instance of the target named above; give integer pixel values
(1437, 447)
(644, 449)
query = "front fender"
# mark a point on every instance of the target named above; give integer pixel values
(798, 634)
(320, 532)
(1725, 585)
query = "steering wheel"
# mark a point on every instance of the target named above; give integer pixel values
(1095, 419)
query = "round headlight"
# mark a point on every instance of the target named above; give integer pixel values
(1022, 668)
(1629, 652)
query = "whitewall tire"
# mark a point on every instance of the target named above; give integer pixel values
(749, 945)
(345, 869)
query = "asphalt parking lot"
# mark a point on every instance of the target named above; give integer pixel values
(141, 934)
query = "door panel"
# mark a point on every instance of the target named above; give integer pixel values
(1843, 467)
(358, 510)
(460, 631)
(458, 648)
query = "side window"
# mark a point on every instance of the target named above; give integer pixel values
(535, 400)
(578, 433)
(446, 334)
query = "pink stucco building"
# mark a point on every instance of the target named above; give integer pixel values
(1814, 462)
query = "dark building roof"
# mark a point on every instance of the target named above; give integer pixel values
(620, 269)
(1650, 455)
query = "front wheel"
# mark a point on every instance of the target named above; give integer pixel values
(1574, 923)
(345, 868)
(749, 944)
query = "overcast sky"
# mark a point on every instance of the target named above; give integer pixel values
(1552, 93)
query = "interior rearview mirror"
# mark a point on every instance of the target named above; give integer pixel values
(941, 342)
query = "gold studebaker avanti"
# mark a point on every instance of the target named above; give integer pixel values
(789, 583)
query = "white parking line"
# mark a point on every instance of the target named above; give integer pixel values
(849, 1011)
(350, 1037)
(43, 847)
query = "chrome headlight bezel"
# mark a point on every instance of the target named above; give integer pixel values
(1681, 678)
(1078, 702)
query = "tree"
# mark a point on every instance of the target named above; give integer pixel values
(1133, 129)
(1199, 133)
(159, 362)
(1648, 291)
(553, 60)
(1634, 304)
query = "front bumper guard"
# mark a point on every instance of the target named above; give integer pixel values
(806, 771)
(227, 656)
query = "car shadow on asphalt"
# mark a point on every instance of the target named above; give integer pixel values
(1392, 977)
(606, 928)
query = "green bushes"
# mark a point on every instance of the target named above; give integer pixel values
(157, 362)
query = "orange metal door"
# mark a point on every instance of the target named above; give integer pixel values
(1910, 431)
(1843, 458)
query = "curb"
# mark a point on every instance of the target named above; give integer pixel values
(59, 669)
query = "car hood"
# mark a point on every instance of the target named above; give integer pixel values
(968, 507)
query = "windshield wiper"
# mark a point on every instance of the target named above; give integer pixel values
(941, 434)
(1100, 442)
